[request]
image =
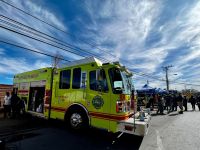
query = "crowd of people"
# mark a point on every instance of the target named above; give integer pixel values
(12, 105)
(170, 102)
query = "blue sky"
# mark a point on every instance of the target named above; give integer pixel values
(143, 35)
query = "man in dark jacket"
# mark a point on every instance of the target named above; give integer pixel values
(185, 103)
(167, 102)
(193, 102)
(14, 102)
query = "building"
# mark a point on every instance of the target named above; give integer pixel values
(3, 89)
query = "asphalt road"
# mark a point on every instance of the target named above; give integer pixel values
(59, 139)
(174, 132)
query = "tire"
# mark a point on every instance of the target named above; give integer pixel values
(77, 120)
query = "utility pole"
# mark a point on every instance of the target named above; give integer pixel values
(56, 60)
(166, 68)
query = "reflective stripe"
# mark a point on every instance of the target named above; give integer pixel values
(109, 116)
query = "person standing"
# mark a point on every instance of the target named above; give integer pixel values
(160, 105)
(151, 101)
(14, 102)
(185, 103)
(174, 102)
(198, 102)
(164, 102)
(7, 105)
(171, 105)
(167, 102)
(147, 101)
(193, 102)
(180, 102)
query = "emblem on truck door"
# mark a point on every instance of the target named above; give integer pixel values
(97, 102)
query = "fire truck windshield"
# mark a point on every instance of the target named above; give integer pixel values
(120, 82)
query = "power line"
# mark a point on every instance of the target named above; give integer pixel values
(42, 41)
(62, 48)
(157, 79)
(46, 36)
(12, 30)
(33, 37)
(45, 22)
(53, 26)
(32, 50)
(146, 75)
(186, 83)
(27, 13)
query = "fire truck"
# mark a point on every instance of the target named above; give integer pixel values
(85, 93)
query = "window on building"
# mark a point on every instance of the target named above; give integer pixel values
(98, 81)
(65, 79)
(76, 83)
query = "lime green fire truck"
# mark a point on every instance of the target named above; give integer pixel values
(84, 93)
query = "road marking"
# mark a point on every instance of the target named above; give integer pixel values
(159, 141)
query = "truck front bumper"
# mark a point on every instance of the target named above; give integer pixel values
(139, 128)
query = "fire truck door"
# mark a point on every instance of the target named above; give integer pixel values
(98, 98)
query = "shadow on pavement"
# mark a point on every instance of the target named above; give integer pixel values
(173, 114)
(53, 134)
(93, 138)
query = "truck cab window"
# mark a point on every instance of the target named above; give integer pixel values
(65, 79)
(120, 81)
(76, 82)
(98, 80)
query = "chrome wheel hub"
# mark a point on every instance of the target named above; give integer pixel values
(75, 120)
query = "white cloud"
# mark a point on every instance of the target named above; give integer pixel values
(128, 24)
(36, 9)
(18, 65)
(42, 12)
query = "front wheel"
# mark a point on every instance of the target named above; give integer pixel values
(77, 120)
